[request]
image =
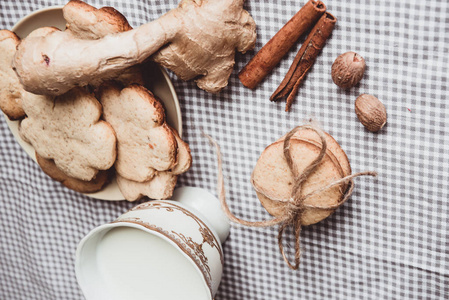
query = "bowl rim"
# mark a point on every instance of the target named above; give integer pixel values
(24, 19)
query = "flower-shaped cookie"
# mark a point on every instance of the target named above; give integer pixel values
(161, 186)
(68, 130)
(145, 143)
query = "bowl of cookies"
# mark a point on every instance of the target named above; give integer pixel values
(113, 139)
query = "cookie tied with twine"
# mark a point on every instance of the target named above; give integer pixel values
(273, 180)
(300, 179)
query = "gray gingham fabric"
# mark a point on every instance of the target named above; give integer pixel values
(389, 241)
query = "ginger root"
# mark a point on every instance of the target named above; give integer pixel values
(197, 40)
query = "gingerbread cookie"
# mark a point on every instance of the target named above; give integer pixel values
(161, 186)
(145, 143)
(68, 130)
(11, 90)
(96, 184)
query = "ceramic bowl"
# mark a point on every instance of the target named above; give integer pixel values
(157, 250)
(162, 87)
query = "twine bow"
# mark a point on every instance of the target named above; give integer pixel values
(295, 206)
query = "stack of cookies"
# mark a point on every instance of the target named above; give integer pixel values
(82, 136)
(275, 180)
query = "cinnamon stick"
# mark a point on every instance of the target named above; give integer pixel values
(304, 59)
(276, 48)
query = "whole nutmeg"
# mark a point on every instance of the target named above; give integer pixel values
(371, 112)
(348, 70)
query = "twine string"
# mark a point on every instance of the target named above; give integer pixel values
(295, 206)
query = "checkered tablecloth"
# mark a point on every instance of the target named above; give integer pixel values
(389, 241)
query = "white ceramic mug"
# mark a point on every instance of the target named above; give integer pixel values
(157, 250)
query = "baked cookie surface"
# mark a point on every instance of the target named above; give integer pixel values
(68, 130)
(11, 90)
(161, 186)
(145, 143)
